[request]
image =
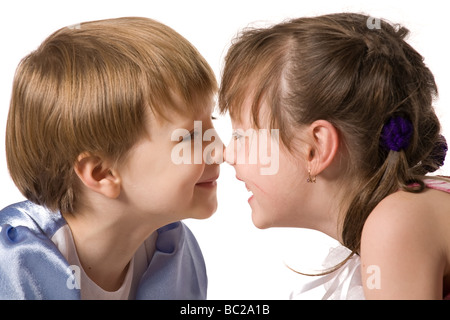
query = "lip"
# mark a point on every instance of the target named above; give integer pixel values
(209, 182)
(248, 189)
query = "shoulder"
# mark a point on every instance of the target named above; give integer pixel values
(32, 216)
(176, 236)
(403, 217)
(400, 240)
(177, 269)
(33, 266)
(398, 212)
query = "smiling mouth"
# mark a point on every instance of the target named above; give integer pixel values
(209, 183)
(248, 189)
(250, 192)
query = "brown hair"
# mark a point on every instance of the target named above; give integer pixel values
(334, 67)
(89, 88)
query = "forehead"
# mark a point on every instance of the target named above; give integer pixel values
(251, 113)
(182, 114)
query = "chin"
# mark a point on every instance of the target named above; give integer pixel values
(262, 219)
(261, 222)
(205, 211)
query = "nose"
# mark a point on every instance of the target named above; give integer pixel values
(225, 154)
(215, 150)
(217, 156)
(229, 153)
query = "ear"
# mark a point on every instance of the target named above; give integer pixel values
(325, 145)
(98, 175)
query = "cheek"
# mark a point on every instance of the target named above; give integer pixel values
(161, 185)
(267, 210)
(183, 178)
(277, 199)
(272, 210)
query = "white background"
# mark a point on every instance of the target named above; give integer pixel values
(243, 262)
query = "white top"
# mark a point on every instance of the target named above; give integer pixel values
(343, 284)
(89, 289)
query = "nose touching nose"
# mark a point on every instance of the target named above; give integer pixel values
(226, 154)
(216, 154)
(222, 154)
(229, 154)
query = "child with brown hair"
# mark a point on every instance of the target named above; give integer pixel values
(89, 141)
(352, 101)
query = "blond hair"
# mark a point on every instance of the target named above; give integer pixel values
(88, 89)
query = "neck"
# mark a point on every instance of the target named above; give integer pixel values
(326, 213)
(106, 239)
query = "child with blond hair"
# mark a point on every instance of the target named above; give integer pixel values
(88, 142)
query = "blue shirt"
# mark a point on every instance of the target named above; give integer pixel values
(32, 267)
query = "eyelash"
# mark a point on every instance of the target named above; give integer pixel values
(192, 134)
(236, 135)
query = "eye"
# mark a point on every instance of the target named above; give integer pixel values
(236, 135)
(192, 134)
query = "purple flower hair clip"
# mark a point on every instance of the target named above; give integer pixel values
(440, 151)
(437, 155)
(396, 133)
